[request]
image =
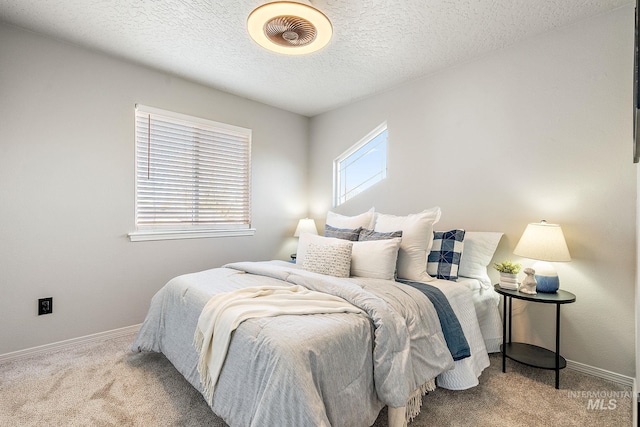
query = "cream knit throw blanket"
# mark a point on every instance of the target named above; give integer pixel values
(224, 312)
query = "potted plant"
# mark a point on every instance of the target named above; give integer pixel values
(508, 273)
(508, 267)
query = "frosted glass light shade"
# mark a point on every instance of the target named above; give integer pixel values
(304, 28)
(544, 242)
(306, 225)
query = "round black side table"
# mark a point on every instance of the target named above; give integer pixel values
(529, 354)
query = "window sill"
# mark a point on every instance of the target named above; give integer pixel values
(147, 235)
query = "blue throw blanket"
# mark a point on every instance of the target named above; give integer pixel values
(453, 334)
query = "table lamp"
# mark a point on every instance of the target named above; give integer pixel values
(545, 243)
(305, 225)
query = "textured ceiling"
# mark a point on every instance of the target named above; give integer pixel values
(377, 44)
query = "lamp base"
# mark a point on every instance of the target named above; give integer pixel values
(547, 284)
(547, 277)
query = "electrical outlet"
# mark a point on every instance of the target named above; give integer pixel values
(45, 306)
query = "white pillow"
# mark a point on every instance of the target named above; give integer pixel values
(375, 259)
(479, 247)
(332, 260)
(307, 239)
(417, 239)
(341, 221)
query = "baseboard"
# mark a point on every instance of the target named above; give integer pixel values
(100, 336)
(601, 373)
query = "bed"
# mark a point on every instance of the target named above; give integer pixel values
(337, 369)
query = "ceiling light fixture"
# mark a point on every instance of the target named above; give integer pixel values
(289, 27)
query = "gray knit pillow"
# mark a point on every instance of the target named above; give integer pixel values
(342, 233)
(332, 260)
(366, 234)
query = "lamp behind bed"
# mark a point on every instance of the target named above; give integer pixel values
(305, 225)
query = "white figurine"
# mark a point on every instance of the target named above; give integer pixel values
(529, 283)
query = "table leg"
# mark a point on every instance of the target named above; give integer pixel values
(557, 346)
(504, 331)
(510, 309)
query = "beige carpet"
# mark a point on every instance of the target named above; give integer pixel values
(103, 384)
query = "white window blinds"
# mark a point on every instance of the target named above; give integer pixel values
(192, 174)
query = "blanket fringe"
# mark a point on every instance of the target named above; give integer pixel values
(208, 387)
(415, 399)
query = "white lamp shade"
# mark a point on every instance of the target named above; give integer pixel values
(306, 225)
(544, 242)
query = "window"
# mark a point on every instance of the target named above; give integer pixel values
(192, 177)
(360, 167)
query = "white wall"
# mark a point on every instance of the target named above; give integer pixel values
(67, 188)
(541, 130)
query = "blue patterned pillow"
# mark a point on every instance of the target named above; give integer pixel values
(444, 259)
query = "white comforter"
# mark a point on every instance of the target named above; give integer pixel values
(225, 312)
(320, 369)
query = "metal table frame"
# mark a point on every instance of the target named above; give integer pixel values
(530, 354)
